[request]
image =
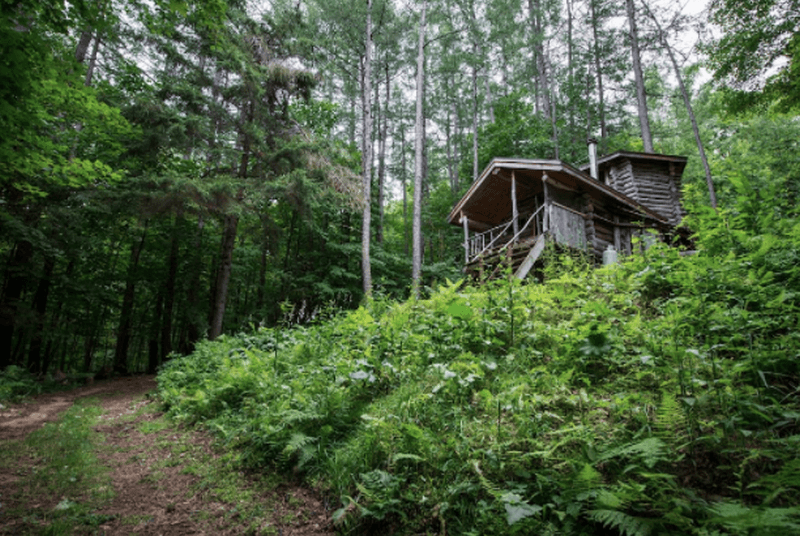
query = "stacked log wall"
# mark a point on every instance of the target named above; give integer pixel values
(621, 179)
(604, 231)
(653, 184)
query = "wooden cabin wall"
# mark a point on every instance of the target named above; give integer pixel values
(658, 190)
(567, 227)
(566, 198)
(620, 177)
(656, 185)
(606, 221)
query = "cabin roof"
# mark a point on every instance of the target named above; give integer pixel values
(609, 159)
(488, 200)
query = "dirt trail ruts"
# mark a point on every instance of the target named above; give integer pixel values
(152, 492)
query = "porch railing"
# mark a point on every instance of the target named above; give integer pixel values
(485, 241)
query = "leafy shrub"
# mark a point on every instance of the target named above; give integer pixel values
(657, 396)
(17, 383)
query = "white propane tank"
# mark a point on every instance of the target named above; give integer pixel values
(609, 256)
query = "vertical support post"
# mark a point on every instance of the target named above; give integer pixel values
(589, 227)
(514, 211)
(617, 235)
(465, 223)
(546, 217)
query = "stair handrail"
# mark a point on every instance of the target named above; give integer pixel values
(505, 228)
(514, 239)
(489, 246)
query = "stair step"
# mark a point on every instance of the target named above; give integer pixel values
(493, 263)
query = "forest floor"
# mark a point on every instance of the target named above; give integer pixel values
(102, 459)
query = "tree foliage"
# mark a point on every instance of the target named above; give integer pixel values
(759, 50)
(172, 171)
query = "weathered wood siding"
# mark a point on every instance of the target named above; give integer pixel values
(567, 226)
(620, 178)
(654, 184)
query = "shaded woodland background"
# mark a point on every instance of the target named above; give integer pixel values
(173, 171)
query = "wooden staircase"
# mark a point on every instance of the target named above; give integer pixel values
(521, 256)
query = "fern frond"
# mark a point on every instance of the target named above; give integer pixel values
(587, 478)
(767, 521)
(650, 451)
(298, 444)
(626, 524)
(671, 423)
(487, 485)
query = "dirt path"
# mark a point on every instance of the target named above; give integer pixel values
(165, 480)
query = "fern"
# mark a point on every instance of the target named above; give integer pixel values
(490, 488)
(298, 447)
(649, 451)
(671, 423)
(587, 478)
(766, 521)
(626, 524)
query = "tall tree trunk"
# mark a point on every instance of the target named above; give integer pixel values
(419, 143)
(554, 125)
(403, 170)
(535, 8)
(40, 307)
(382, 154)
(87, 81)
(89, 344)
(366, 159)
(230, 223)
(475, 169)
(83, 45)
(56, 331)
(641, 97)
(126, 313)
(16, 276)
(192, 312)
(688, 103)
(449, 142)
(169, 286)
(351, 130)
(262, 268)
(601, 107)
(153, 353)
(489, 98)
(229, 228)
(570, 69)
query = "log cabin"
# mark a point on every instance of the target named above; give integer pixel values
(516, 206)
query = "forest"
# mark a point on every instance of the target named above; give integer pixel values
(173, 172)
(250, 199)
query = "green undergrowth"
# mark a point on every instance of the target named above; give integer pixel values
(16, 383)
(64, 484)
(658, 396)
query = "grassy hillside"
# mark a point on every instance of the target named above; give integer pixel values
(657, 396)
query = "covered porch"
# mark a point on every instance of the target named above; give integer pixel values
(517, 205)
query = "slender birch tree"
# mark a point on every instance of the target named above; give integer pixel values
(641, 97)
(366, 158)
(419, 143)
(688, 103)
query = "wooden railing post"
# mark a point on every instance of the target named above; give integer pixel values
(465, 223)
(546, 217)
(514, 211)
